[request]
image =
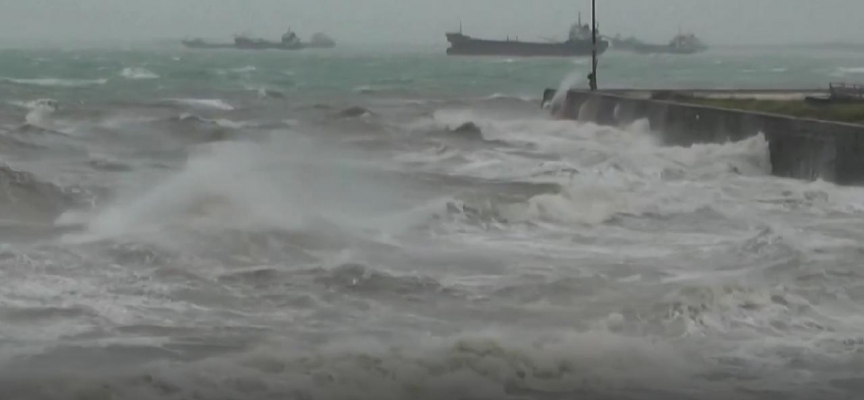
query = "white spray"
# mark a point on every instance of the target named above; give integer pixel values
(569, 81)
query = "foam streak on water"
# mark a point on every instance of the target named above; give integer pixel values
(196, 240)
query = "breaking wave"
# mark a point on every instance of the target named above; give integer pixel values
(39, 112)
(380, 89)
(218, 190)
(56, 82)
(220, 122)
(24, 198)
(502, 96)
(138, 73)
(215, 104)
(604, 172)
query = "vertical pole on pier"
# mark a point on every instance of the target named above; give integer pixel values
(593, 81)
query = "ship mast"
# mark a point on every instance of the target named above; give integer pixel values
(593, 81)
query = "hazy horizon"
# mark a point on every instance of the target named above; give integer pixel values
(424, 22)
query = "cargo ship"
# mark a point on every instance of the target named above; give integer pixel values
(578, 44)
(680, 44)
(201, 44)
(290, 41)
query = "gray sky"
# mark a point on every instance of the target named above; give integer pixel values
(425, 21)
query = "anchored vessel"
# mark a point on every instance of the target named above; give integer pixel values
(680, 44)
(201, 44)
(578, 43)
(290, 41)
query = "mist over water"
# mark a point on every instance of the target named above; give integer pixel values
(322, 225)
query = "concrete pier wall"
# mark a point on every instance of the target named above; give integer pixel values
(799, 148)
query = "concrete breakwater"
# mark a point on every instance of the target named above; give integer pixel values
(799, 148)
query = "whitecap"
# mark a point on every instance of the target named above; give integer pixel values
(39, 111)
(217, 104)
(502, 96)
(227, 123)
(367, 89)
(56, 82)
(138, 73)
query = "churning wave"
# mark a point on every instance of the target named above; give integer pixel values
(479, 366)
(39, 111)
(24, 198)
(603, 172)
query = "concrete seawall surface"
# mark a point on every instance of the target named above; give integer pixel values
(799, 148)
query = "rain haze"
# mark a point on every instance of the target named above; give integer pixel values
(424, 21)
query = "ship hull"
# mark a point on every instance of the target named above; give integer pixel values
(267, 46)
(254, 46)
(480, 47)
(658, 49)
(646, 48)
(201, 45)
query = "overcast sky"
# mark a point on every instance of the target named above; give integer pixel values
(425, 21)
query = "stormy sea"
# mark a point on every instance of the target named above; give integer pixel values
(394, 223)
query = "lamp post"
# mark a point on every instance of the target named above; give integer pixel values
(593, 81)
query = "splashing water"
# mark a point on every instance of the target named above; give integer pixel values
(570, 81)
